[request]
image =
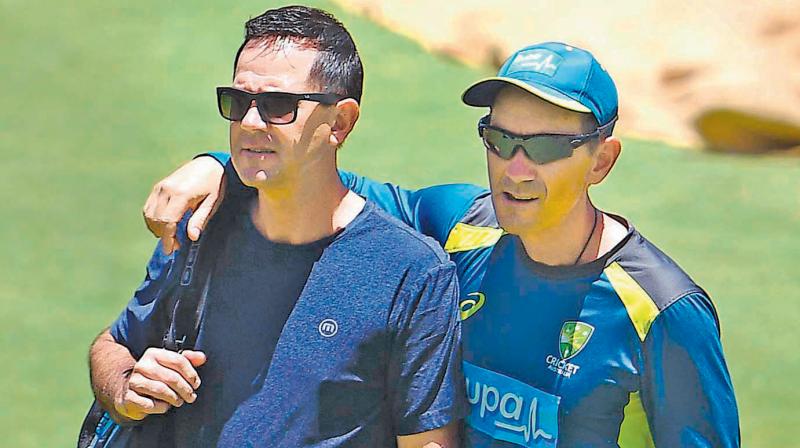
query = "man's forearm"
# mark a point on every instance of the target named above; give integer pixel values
(110, 367)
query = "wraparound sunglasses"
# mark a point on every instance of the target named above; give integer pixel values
(540, 148)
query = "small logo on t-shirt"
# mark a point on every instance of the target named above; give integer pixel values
(328, 328)
(574, 337)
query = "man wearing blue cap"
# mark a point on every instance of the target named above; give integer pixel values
(577, 331)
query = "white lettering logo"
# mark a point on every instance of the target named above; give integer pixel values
(511, 407)
(328, 328)
(561, 366)
(539, 60)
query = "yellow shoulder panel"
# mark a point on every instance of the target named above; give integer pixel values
(635, 431)
(641, 308)
(465, 237)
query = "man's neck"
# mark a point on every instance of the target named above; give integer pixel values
(583, 236)
(310, 212)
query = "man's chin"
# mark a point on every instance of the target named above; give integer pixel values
(515, 222)
(516, 216)
(258, 177)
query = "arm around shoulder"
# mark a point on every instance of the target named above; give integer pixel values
(432, 211)
(194, 186)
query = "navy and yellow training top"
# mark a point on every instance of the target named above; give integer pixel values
(623, 351)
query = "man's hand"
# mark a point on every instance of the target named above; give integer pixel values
(196, 186)
(160, 379)
(130, 389)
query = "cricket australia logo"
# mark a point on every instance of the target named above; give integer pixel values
(574, 337)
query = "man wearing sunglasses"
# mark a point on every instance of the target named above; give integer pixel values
(327, 322)
(577, 330)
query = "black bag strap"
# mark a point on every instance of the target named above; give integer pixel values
(184, 301)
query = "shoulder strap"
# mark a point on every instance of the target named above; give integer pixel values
(188, 298)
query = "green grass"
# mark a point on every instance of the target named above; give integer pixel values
(101, 100)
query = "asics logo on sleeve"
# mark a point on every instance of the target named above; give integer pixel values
(471, 305)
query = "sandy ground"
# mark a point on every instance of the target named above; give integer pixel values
(724, 74)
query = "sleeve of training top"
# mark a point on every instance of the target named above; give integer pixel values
(687, 392)
(432, 211)
(428, 389)
(221, 157)
(460, 217)
(140, 325)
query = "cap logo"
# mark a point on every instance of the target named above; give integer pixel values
(537, 60)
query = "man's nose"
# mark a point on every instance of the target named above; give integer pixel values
(520, 168)
(252, 120)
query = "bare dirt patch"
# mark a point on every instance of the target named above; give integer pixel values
(723, 74)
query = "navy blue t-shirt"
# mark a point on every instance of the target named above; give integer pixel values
(348, 341)
(255, 287)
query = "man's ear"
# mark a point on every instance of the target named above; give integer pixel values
(347, 112)
(604, 158)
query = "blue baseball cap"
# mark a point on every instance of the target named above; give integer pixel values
(562, 74)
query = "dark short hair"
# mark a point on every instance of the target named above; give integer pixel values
(337, 68)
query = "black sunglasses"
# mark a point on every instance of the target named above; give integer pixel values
(273, 107)
(540, 148)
